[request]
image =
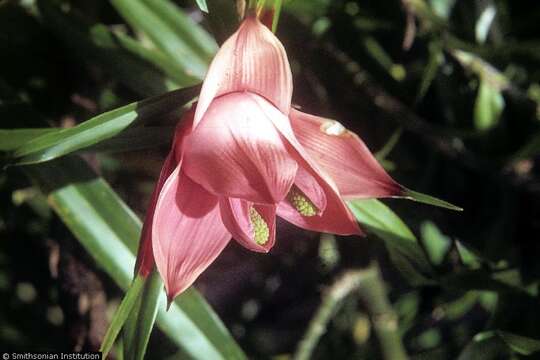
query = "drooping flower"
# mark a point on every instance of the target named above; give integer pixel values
(242, 156)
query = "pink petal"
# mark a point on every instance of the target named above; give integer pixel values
(237, 152)
(145, 257)
(336, 218)
(254, 60)
(245, 220)
(187, 232)
(344, 156)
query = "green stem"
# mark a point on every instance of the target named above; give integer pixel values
(372, 292)
(252, 5)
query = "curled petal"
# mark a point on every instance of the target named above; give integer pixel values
(187, 232)
(237, 152)
(344, 156)
(336, 218)
(254, 60)
(252, 225)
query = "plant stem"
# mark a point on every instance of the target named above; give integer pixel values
(370, 289)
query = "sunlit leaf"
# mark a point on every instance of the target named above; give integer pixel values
(202, 5)
(157, 58)
(488, 107)
(141, 16)
(484, 23)
(436, 243)
(400, 242)
(468, 256)
(185, 28)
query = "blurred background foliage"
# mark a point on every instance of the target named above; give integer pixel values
(446, 92)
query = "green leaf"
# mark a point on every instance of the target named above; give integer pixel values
(202, 5)
(436, 244)
(185, 28)
(488, 107)
(484, 23)
(109, 231)
(398, 239)
(436, 59)
(138, 138)
(485, 347)
(169, 67)
(520, 344)
(144, 18)
(277, 12)
(442, 8)
(147, 310)
(430, 200)
(381, 56)
(10, 139)
(102, 127)
(121, 315)
(496, 343)
(468, 257)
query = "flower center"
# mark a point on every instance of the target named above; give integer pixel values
(261, 233)
(301, 203)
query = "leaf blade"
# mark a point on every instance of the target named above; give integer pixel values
(99, 128)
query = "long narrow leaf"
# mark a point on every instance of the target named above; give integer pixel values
(11, 139)
(59, 143)
(144, 19)
(121, 315)
(162, 61)
(185, 28)
(146, 317)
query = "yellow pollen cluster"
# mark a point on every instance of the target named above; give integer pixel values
(261, 233)
(301, 203)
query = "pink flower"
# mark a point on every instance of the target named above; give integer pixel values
(243, 156)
